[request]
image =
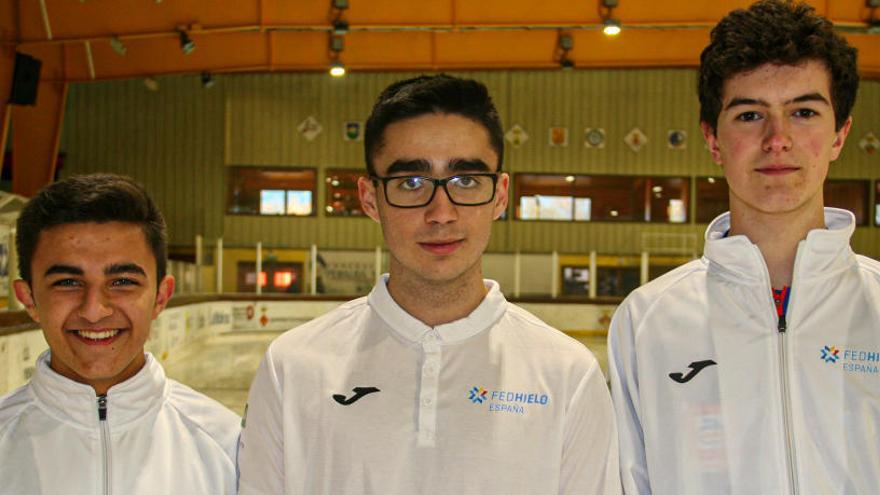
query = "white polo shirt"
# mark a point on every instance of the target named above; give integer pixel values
(367, 399)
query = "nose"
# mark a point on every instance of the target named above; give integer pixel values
(441, 209)
(95, 305)
(777, 137)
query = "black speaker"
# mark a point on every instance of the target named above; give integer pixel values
(25, 80)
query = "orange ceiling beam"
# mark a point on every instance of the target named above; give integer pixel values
(280, 35)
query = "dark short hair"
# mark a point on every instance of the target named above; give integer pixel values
(96, 198)
(779, 32)
(441, 94)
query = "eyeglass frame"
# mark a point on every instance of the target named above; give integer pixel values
(437, 183)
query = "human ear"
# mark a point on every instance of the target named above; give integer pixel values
(26, 297)
(501, 194)
(711, 138)
(840, 138)
(367, 195)
(163, 294)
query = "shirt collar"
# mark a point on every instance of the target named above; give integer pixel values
(823, 250)
(76, 403)
(407, 326)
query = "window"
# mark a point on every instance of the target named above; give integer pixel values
(342, 193)
(601, 198)
(271, 191)
(850, 195)
(712, 198)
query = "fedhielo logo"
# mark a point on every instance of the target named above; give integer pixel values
(830, 354)
(478, 395)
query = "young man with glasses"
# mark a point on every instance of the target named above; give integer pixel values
(433, 383)
(754, 370)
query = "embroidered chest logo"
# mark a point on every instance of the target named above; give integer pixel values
(852, 360)
(503, 401)
(830, 354)
(695, 367)
(478, 395)
(359, 392)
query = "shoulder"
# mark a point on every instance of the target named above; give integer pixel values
(869, 266)
(204, 414)
(670, 284)
(13, 406)
(527, 330)
(326, 333)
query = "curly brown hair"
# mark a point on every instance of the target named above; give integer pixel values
(778, 32)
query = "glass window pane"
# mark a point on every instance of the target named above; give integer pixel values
(850, 195)
(263, 190)
(299, 203)
(271, 202)
(669, 199)
(712, 198)
(342, 198)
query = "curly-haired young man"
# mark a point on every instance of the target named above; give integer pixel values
(755, 368)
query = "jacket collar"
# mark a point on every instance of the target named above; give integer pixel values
(487, 313)
(76, 403)
(824, 251)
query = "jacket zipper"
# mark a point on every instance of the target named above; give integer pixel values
(105, 441)
(781, 329)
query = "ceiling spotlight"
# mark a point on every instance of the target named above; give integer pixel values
(151, 84)
(337, 68)
(207, 80)
(611, 27)
(118, 46)
(186, 43)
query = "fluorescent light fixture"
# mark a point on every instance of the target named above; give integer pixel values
(611, 27)
(337, 68)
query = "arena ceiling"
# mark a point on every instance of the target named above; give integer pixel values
(83, 40)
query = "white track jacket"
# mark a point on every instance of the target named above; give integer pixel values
(714, 395)
(158, 437)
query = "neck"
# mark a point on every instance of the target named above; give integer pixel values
(777, 236)
(435, 303)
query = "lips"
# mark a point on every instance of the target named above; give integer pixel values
(442, 247)
(777, 169)
(96, 336)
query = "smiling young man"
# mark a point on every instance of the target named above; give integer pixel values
(99, 415)
(433, 383)
(755, 368)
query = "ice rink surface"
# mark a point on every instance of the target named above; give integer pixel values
(222, 367)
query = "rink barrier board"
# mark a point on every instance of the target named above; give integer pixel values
(199, 317)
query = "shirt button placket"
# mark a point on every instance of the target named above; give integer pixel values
(428, 388)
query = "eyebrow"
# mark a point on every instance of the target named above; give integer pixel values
(423, 166)
(463, 165)
(119, 268)
(757, 101)
(400, 166)
(63, 269)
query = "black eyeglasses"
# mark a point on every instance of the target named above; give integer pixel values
(414, 191)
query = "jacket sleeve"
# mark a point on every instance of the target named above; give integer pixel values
(261, 449)
(625, 394)
(589, 452)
